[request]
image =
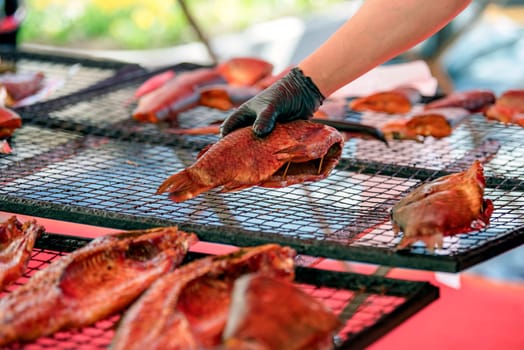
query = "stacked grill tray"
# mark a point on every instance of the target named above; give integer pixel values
(80, 157)
(369, 306)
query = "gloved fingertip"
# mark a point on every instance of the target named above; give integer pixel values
(239, 119)
(225, 129)
(262, 130)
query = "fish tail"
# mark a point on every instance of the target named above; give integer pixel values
(181, 186)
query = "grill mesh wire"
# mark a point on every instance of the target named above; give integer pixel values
(98, 160)
(73, 77)
(385, 300)
(68, 74)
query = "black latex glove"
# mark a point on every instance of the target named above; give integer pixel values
(293, 97)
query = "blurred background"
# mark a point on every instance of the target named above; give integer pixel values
(482, 48)
(147, 24)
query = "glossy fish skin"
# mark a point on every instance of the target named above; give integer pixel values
(90, 283)
(446, 206)
(154, 83)
(212, 129)
(188, 308)
(395, 101)
(244, 71)
(271, 313)
(17, 240)
(472, 100)
(241, 160)
(163, 97)
(9, 122)
(5, 148)
(417, 128)
(177, 95)
(508, 108)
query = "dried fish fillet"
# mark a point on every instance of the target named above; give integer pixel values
(274, 314)
(188, 308)
(293, 153)
(446, 206)
(17, 240)
(90, 283)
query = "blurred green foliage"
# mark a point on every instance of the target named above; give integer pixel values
(146, 24)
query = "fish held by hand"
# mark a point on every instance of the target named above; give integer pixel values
(293, 153)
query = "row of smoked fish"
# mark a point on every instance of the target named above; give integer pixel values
(302, 151)
(242, 300)
(221, 302)
(163, 97)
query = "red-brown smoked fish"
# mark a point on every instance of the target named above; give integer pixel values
(272, 313)
(17, 240)
(446, 206)
(395, 101)
(166, 96)
(178, 94)
(438, 123)
(473, 100)
(90, 283)
(508, 108)
(293, 153)
(9, 122)
(188, 308)
(225, 96)
(244, 71)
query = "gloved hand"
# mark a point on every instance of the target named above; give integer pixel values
(293, 97)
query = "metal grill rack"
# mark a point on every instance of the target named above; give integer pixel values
(370, 306)
(106, 168)
(72, 74)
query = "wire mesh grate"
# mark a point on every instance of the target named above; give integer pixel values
(387, 302)
(109, 112)
(497, 144)
(67, 74)
(348, 209)
(32, 141)
(87, 160)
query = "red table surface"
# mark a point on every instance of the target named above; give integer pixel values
(480, 314)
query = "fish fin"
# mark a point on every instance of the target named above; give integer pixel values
(181, 187)
(405, 242)
(234, 186)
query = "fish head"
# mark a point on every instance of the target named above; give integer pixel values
(315, 151)
(270, 259)
(118, 260)
(145, 244)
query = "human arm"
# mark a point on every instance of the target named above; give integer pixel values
(377, 32)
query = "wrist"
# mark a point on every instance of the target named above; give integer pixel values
(307, 82)
(319, 78)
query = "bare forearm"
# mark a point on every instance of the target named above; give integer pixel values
(379, 31)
